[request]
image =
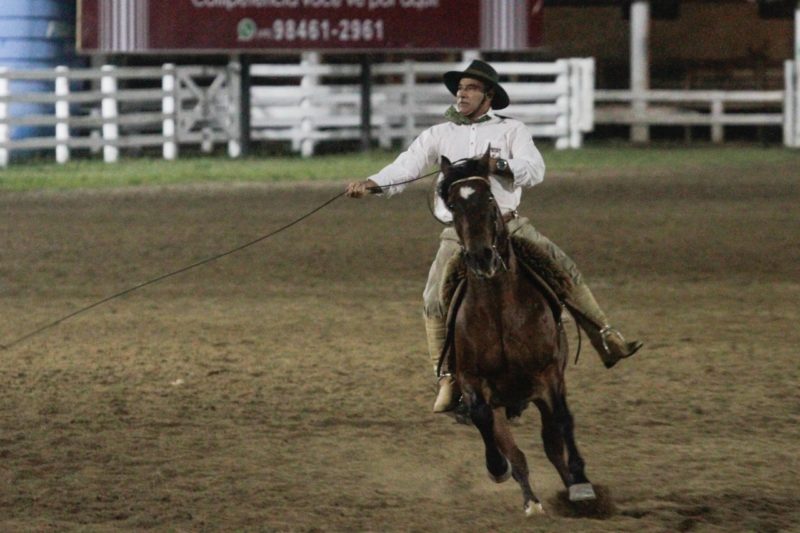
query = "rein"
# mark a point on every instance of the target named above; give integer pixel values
(202, 262)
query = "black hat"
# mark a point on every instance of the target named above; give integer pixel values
(483, 71)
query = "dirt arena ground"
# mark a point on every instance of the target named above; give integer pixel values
(285, 388)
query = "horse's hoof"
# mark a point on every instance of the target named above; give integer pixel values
(503, 477)
(581, 492)
(533, 508)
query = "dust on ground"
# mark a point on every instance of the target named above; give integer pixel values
(286, 387)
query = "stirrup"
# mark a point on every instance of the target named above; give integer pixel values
(624, 349)
(605, 331)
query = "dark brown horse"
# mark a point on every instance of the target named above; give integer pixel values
(510, 348)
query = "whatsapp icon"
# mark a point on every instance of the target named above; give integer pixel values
(246, 29)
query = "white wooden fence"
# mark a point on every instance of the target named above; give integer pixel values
(706, 108)
(108, 109)
(791, 125)
(112, 108)
(310, 102)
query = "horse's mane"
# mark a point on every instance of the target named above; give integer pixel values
(465, 168)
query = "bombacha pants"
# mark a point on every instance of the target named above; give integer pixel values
(450, 245)
(435, 310)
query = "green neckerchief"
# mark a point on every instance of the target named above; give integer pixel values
(455, 117)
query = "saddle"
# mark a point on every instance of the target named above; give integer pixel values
(540, 268)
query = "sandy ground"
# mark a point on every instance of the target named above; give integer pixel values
(286, 387)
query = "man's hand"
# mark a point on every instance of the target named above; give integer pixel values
(358, 189)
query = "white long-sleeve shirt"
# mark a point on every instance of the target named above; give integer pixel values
(509, 139)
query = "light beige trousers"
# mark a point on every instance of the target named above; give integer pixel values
(450, 245)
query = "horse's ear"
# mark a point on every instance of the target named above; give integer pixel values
(483, 163)
(445, 164)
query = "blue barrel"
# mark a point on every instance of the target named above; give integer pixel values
(35, 34)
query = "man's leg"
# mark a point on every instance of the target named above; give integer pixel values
(608, 342)
(435, 314)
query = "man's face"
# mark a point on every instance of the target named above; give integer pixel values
(471, 99)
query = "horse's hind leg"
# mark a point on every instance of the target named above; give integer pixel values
(558, 435)
(481, 414)
(519, 465)
(553, 440)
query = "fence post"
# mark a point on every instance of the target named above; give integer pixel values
(796, 78)
(245, 103)
(307, 84)
(467, 56)
(796, 91)
(62, 115)
(4, 136)
(234, 73)
(206, 140)
(365, 108)
(717, 109)
(108, 86)
(563, 104)
(206, 103)
(575, 135)
(409, 81)
(788, 108)
(640, 67)
(587, 94)
(791, 105)
(168, 108)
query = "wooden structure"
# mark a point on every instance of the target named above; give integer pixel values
(132, 108)
(311, 102)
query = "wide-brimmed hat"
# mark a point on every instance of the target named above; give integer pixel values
(480, 70)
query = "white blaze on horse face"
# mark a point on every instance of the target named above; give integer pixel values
(466, 192)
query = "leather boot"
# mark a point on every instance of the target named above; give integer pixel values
(435, 329)
(609, 342)
(615, 347)
(444, 398)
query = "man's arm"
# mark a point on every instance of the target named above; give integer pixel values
(526, 164)
(393, 177)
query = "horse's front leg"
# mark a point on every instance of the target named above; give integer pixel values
(481, 414)
(505, 441)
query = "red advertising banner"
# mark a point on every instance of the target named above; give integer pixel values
(198, 26)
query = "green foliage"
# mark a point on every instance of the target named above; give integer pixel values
(33, 175)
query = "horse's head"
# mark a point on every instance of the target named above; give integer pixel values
(466, 192)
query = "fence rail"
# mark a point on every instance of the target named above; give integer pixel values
(106, 109)
(705, 108)
(308, 103)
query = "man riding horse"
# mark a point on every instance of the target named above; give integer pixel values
(515, 163)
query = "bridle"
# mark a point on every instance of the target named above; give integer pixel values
(497, 219)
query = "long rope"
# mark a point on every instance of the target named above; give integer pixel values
(162, 277)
